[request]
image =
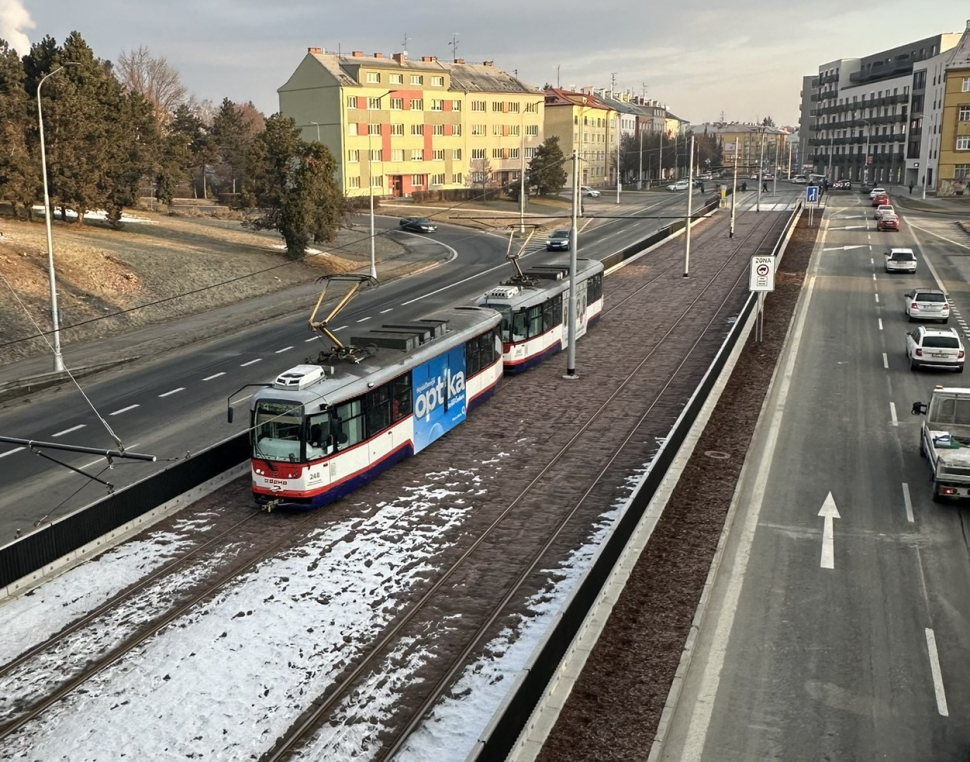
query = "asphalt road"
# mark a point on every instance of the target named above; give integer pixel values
(176, 404)
(854, 648)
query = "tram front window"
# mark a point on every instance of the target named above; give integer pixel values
(506, 314)
(276, 431)
(519, 325)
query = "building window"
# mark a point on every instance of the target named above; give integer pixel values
(478, 105)
(417, 179)
(458, 178)
(417, 104)
(352, 129)
(373, 104)
(456, 154)
(353, 183)
(396, 79)
(531, 108)
(456, 130)
(437, 81)
(479, 177)
(397, 129)
(438, 179)
(351, 101)
(438, 154)
(417, 79)
(514, 130)
(497, 107)
(437, 129)
(963, 143)
(417, 130)
(437, 105)
(496, 130)
(965, 87)
(532, 130)
(377, 154)
(964, 113)
(397, 104)
(961, 171)
(497, 153)
(397, 154)
(478, 130)
(513, 153)
(530, 153)
(417, 154)
(353, 156)
(478, 153)
(456, 105)
(513, 107)
(377, 181)
(373, 78)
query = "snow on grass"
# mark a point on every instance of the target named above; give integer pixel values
(93, 214)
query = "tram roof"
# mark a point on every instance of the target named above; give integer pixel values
(544, 287)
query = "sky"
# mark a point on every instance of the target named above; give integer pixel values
(702, 58)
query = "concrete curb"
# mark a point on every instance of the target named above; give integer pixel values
(17, 388)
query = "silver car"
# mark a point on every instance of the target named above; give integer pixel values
(900, 261)
(935, 347)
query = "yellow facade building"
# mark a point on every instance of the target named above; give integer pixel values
(399, 126)
(583, 123)
(953, 178)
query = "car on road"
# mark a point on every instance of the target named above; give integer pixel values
(935, 348)
(926, 304)
(418, 225)
(877, 192)
(900, 261)
(558, 241)
(800, 179)
(888, 222)
(842, 185)
(883, 209)
(680, 185)
(591, 192)
(880, 200)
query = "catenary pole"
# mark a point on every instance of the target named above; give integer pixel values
(690, 197)
(573, 246)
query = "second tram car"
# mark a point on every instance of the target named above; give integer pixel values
(321, 431)
(534, 309)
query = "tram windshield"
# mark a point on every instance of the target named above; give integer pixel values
(276, 430)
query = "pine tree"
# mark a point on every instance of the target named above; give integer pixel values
(130, 154)
(18, 175)
(546, 170)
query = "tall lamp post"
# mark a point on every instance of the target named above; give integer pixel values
(58, 358)
(522, 186)
(640, 172)
(618, 134)
(761, 169)
(370, 181)
(865, 161)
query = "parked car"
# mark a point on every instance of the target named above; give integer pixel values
(877, 192)
(800, 179)
(680, 185)
(418, 225)
(558, 241)
(935, 348)
(842, 185)
(591, 192)
(883, 209)
(888, 222)
(880, 200)
(900, 261)
(926, 304)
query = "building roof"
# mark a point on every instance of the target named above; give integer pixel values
(557, 96)
(463, 77)
(717, 128)
(960, 58)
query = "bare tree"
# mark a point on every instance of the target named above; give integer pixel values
(481, 174)
(154, 78)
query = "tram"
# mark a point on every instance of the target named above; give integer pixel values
(322, 430)
(534, 309)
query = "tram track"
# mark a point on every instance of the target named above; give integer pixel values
(468, 567)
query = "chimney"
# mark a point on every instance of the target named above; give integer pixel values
(313, 50)
(400, 57)
(358, 54)
(426, 59)
(378, 55)
(459, 60)
(487, 63)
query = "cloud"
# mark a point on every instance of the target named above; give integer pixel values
(14, 18)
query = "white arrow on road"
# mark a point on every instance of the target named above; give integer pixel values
(828, 512)
(846, 248)
(853, 227)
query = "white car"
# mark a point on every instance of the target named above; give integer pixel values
(926, 304)
(800, 179)
(877, 192)
(935, 347)
(591, 192)
(900, 261)
(679, 185)
(882, 210)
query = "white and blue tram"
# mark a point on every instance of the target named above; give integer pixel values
(534, 309)
(321, 431)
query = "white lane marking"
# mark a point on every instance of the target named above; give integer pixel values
(880, 324)
(243, 399)
(174, 391)
(68, 431)
(284, 349)
(251, 362)
(877, 298)
(948, 240)
(908, 502)
(872, 261)
(937, 673)
(892, 410)
(384, 312)
(10, 452)
(215, 375)
(307, 341)
(885, 360)
(829, 513)
(363, 319)
(339, 329)
(700, 719)
(873, 276)
(124, 410)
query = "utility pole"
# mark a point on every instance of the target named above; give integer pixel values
(690, 198)
(734, 189)
(640, 171)
(774, 168)
(761, 169)
(573, 246)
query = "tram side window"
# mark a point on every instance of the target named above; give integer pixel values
(535, 321)
(400, 389)
(377, 403)
(594, 288)
(519, 326)
(473, 356)
(552, 313)
(319, 443)
(348, 424)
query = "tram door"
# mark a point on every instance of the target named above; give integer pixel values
(581, 299)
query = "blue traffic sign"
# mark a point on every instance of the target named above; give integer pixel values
(811, 194)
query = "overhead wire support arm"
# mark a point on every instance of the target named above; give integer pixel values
(36, 445)
(359, 282)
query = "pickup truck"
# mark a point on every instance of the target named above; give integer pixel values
(945, 440)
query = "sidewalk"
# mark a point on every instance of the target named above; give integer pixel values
(957, 206)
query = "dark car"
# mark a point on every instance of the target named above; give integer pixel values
(558, 241)
(418, 225)
(866, 188)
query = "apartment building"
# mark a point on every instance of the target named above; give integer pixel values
(953, 163)
(583, 123)
(861, 113)
(396, 126)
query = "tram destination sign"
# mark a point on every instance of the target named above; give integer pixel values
(762, 274)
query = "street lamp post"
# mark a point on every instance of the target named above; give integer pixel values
(865, 161)
(618, 183)
(370, 182)
(640, 172)
(734, 186)
(58, 358)
(573, 246)
(761, 169)
(690, 196)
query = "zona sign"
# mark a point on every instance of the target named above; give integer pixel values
(762, 275)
